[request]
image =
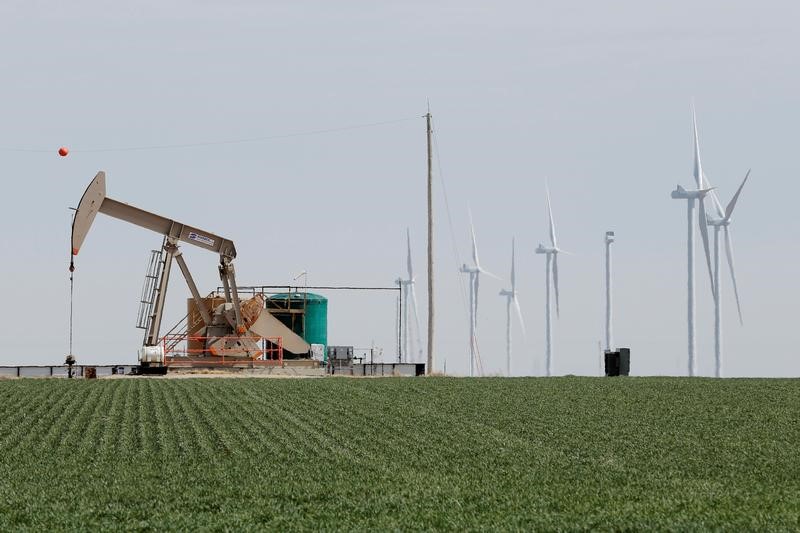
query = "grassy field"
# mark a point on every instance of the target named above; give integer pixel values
(443, 453)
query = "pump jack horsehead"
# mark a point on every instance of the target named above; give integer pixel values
(232, 328)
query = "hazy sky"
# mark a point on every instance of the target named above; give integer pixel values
(593, 96)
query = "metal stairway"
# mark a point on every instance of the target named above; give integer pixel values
(152, 278)
(180, 331)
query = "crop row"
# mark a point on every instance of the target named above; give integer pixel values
(576, 453)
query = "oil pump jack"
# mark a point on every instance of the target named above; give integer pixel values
(232, 328)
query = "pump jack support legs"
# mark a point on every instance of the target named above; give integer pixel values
(173, 252)
(192, 287)
(228, 276)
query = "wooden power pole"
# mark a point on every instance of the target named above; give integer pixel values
(430, 365)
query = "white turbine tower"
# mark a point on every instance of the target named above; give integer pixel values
(474, 273)
(410, 341)
(551, 265)
(511, 298)
(690, 196)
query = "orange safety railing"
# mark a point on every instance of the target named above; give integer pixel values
(268, 351)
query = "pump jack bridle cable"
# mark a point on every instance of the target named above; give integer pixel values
(71, 287)
(71, 292)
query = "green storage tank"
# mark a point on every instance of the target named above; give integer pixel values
(311, 325)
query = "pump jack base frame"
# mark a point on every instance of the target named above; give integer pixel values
(221, 363)
(146, 369)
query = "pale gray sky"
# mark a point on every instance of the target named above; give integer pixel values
(592, 95)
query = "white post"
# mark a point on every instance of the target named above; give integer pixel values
(609, 338)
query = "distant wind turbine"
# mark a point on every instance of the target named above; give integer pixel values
(511, 298)
(690, 196)
(474, 273)
(551, 265)
(410, 342)
(721, 220)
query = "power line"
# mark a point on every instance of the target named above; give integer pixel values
(251, 288)
(456, 256)
(219, 142)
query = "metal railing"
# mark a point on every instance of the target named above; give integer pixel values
(262, 351)
(180, 331)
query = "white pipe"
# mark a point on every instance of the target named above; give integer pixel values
(609, 342)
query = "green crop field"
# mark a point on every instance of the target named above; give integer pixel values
(377, 454)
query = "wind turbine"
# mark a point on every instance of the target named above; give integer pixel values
(691, 196)
(551, 253)
(511, 297)
(409, 344)
(474, 273)
(723, 220)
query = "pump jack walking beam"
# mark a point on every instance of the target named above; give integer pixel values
(94, 200)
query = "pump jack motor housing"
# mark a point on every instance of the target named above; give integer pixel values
(225, 327)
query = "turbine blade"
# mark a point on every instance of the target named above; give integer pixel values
(701, 219)
(474, 243)
(732, 203)
(555, 281)
(519, 315)
(714, 197)
(408, 261)
(729, 253)
(513, 276)
(550, 217)
(698, 169)
(482, 271)
(700, 177)
(476, 283)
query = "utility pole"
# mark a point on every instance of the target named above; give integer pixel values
(430, 364)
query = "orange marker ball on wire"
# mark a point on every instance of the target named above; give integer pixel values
(63, 151)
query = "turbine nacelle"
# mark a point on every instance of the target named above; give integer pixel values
(470, 270)
(696, 194)
(717, 222)
(542, 249)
